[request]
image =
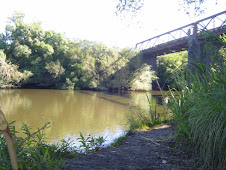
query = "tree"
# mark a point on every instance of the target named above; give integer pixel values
(169, 66)
(134, 6)
(129, 6)
(10, 77)
(34, 50)
(54, 61)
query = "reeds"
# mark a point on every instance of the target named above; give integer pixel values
(199, 111)
(140, 119)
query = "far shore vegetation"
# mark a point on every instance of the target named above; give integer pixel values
(31, 57)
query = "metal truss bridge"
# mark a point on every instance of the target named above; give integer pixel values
(178, 39)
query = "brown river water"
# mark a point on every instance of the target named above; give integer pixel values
(70, 112)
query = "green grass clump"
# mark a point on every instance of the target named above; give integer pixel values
(33, 152)
(90, 143)
(199, 111)
(140, 120)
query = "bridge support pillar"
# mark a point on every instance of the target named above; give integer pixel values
(152, 61)
(205, 51)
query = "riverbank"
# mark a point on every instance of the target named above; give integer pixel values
(152, 149)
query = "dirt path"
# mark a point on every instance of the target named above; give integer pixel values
(142, 150)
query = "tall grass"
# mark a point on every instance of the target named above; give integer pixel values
(140, 119)
(199, 111)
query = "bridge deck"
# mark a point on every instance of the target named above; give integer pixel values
(177, 40)
(169, 47)
(180, 44)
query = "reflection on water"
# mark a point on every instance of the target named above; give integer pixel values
(140, 99)
(70, 112)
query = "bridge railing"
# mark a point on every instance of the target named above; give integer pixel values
(212, 23)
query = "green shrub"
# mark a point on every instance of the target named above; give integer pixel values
(199, 111)
(90, 143)
(10, 77)
(33, 152)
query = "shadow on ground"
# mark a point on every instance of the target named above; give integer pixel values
(153, 149)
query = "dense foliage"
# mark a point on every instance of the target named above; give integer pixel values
(46, 59)
(169, 66)
(34, 153)
(9, 74)
(34, 58)
(199, 110)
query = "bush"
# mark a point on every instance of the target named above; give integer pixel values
(10, 77)
(33, 152)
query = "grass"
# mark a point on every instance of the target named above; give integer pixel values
(34, 153)
(119, 141)
(199, 111)
(140, 120)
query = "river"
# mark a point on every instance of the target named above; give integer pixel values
(70, 112)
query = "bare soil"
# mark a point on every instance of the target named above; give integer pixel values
(152, 149)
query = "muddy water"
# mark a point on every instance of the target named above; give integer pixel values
(71, 112)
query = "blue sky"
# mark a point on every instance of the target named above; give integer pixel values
(95, 20)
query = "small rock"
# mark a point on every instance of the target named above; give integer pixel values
(164, 161)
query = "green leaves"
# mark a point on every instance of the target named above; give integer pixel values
(199, 111)
(55, 68)
(47, 59)
(90, 143)
(170, 66)
(17, 17)
(9, 74)
(33, 152)
(22, 51)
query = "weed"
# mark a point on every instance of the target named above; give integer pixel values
(90, 143)
(33, 152)
(143, 120)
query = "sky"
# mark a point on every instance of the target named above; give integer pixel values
(95, 20)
